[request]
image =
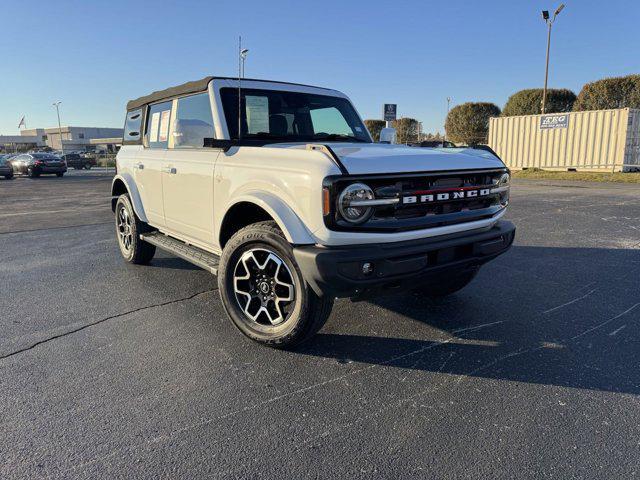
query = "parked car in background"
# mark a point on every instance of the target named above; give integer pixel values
(78, 161)
(6, 170)
(36, 164)
(434, 144)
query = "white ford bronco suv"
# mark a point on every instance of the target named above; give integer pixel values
(279, 189)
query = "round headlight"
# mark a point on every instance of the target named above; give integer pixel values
(503, 188)
(348, 203)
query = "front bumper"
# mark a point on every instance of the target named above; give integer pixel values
(337, 271)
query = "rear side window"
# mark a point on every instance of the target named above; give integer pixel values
(133, 126)
(157, 130)
(192, 121)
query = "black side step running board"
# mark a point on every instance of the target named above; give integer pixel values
(203, 259)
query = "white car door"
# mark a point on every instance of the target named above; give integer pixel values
(187, 171)
(149, 162)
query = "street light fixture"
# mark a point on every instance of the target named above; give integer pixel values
(243, 55)
(57, 105)
(549, 22)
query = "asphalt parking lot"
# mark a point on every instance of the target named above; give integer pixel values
(111, 370)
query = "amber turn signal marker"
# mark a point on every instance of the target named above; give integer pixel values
(326, 204)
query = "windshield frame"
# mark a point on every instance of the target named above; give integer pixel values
(228, 97)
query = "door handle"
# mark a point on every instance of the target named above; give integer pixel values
(171, 170)
(140, 166)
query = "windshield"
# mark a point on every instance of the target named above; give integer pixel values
(278, 116)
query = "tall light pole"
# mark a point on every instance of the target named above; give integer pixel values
(549, 22)
(57, 105)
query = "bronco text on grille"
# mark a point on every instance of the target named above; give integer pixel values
(427, 200)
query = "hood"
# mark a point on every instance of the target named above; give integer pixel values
(371, 158)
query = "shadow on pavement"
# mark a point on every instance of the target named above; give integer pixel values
(557, 316)
(172, 262)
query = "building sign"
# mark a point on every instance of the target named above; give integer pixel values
(554, 121)
(390, 112)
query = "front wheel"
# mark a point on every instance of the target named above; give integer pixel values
(60, 174)
(263, 290)
(448, 284)
(9, 177)
(128, 230)
(31, 173)
(87, 166)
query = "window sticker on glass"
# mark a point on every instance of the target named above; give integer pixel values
(257, 114)
(155, 121)
(164, 126)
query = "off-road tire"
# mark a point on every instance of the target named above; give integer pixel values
(137, 251)
(309, 312)
(448, 285)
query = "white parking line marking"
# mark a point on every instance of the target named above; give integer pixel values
(39, 212)
(569, 303)
(615, 332)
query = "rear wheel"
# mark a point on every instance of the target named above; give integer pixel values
(60, 174)
(9, 177)
(128, 230)
(31, 173)
(449, 284)
(87, 166)
(263, 291)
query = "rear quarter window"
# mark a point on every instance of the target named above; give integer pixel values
(133, 127)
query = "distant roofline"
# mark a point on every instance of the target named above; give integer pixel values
(198, 86)
(66, 128)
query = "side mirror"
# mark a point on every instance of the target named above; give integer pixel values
(216, 143)
(388, 135)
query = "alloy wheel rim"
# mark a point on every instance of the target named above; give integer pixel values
(264, 287)
(124, 228)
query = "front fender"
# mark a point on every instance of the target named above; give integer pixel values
(291, 225)
(134, 195)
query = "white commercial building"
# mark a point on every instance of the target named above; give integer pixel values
(71, 138)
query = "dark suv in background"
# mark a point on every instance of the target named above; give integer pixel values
(78, 161)
(6, 170)
(36, 164)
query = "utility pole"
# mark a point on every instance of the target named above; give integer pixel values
(445, 118)
(549, 22)
(57, 105)
(239, 87)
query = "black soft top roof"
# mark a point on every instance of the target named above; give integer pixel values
(193, 87)
(184, 89)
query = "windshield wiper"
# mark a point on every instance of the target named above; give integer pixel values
(338, 136)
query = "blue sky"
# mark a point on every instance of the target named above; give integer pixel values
(94, 56)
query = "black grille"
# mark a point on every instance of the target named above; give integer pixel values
(428, 213)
